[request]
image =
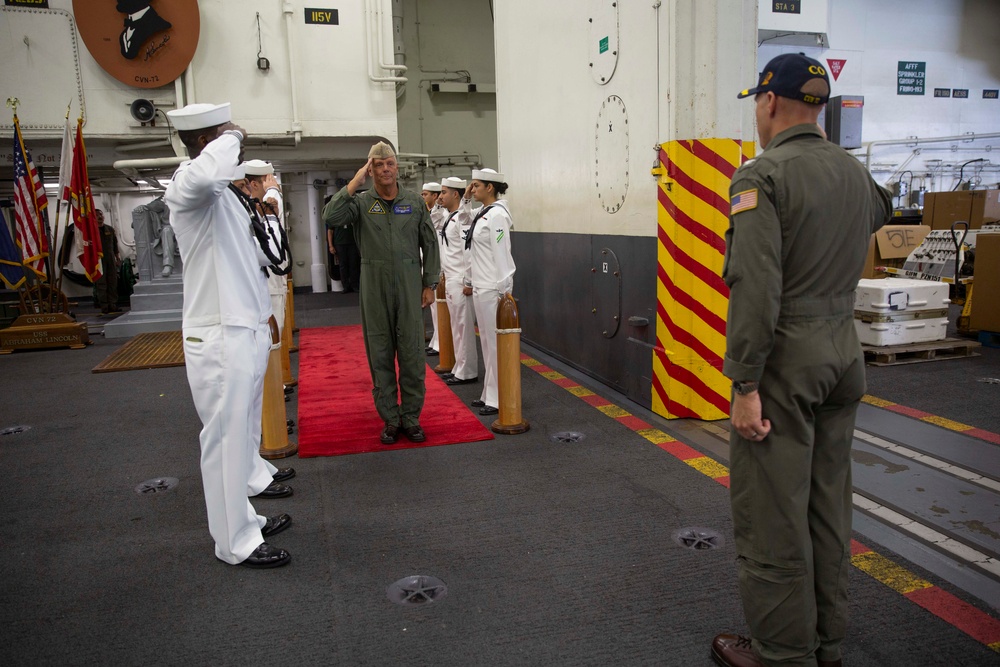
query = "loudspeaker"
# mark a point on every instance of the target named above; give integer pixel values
(142, 110)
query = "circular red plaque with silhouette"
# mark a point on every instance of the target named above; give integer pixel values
(142, 43)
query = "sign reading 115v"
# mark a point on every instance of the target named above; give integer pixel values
(320, 16)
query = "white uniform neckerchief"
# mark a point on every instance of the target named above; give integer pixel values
(444, 227)
(264, 235)
(472, 227)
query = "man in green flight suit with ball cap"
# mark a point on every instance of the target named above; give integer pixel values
(392, 228)
(801, 217)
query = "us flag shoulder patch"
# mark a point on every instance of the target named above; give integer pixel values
(743, 201)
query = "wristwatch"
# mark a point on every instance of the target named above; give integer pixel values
(744, 387)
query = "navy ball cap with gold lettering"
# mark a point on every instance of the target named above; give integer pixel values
(787, 75)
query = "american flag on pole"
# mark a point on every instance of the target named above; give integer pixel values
(29, 206)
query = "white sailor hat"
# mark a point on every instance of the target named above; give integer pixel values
(487, 175)
(431, 187)
(258, 168)
(453, 182)
(200, 116)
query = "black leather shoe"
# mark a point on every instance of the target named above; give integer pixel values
(276, 524)
(431, 352)
(275, 490)
(734, 651)
(444, 375)
(390, 434)
(289, 389)
(488, 410)
(283, 474)
(267, 556)
(414, 433)
(478, 404)
(290, 422)
(454, 380)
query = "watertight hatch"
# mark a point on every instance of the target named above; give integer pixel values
(607, 292)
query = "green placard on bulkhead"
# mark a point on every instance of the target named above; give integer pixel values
(910, 77)
(603, 45)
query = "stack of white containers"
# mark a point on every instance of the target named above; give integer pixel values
(896, 311)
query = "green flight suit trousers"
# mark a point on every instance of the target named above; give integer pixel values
(393, 326)
(791, 493)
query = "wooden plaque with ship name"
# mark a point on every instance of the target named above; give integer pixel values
(42, 331)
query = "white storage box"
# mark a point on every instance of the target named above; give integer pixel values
(899, 296)
(901, 333)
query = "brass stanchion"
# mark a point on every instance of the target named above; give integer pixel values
(446, 346)
(274, 443)
(509, 420)
(286, 345)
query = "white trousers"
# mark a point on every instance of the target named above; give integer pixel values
(278, 287)
(463, 330)
(225, 368)
(434, 323)
(485, 301)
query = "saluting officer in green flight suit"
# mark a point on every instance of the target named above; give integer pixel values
(801, 216)
(392, 228)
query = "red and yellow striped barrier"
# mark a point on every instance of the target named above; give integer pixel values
(692, 300)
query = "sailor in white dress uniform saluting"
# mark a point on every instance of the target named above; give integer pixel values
(226, 331)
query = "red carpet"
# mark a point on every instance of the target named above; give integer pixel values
(336, 411)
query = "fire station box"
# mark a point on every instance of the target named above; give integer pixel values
(976, 207)
(891, 245)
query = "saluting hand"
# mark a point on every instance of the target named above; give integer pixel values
(360, 177)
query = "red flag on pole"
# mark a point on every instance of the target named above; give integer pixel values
(82, 202)
(29, 203)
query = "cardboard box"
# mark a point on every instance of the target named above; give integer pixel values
(985, 314)
(976, 207)
(891, 245)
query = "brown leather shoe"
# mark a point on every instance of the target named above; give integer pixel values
(734, 651)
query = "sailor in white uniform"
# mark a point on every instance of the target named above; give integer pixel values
(225, 329)
(263, 186)
(455, 264)
(260, 185)
(430, 193)
(491, 271)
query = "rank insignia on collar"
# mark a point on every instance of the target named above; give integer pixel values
(377, 208)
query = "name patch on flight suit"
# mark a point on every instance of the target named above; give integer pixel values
(743, 201)
(402, 209)
(377, 208)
